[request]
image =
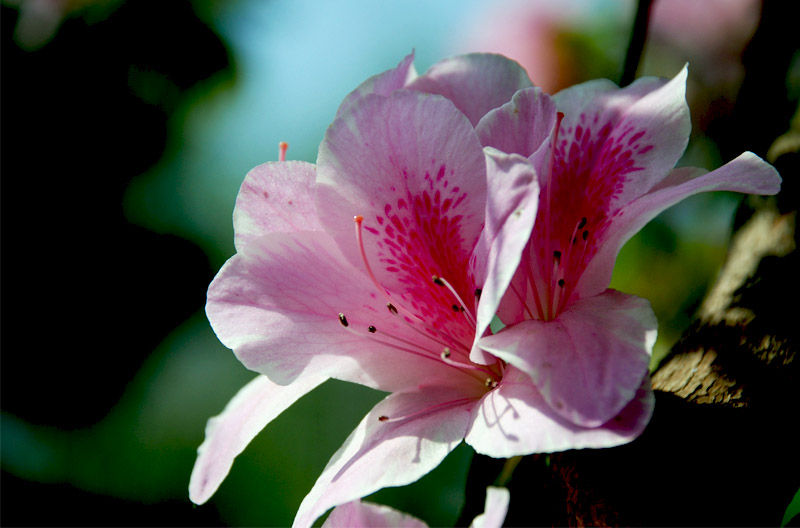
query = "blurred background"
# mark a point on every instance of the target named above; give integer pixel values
(130, 126)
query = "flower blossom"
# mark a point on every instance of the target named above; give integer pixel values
(381, 265)
(358, 514)
(385, 262)
(606, 173)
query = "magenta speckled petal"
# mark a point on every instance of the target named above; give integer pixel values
(476, 83)
(412, 166)
(264, 301)
(746, 174)
(589, 361)
(616, 143)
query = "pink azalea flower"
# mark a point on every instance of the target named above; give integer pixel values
(358, 514)
(396, 299)
(610, 171)
(385, 263)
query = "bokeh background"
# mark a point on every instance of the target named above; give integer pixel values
(127, 128)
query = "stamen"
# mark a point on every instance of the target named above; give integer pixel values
(358, 219)
(561, 283)
(557, 255)
(549, 278)
(443, 339)
(585, 234)
(372, 329)
(516, 292)
(490, 383)
(445, 355)
(534, 290)
(439, 281)
(282, 148)
(466, 369)
(582, 223)
(385, 419)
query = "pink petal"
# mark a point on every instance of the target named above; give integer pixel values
(589, 361)
(382, 454)
(496, 509)
(276, 197)
(521, 126)
(412, 166)
(359, 514)
(476, 83)
(277, 305)
(746, 174)
(382, 83)
(510, 212)
(514, 419)
(256, 405)
(615, 144)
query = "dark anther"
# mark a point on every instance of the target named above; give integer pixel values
(456, 308)
(372, 329)
(574, 239)
(391, 308)
(382, 418)
(585, 234)
(561, 282)
(343, 320)
(583, 223)
(446, 352)
(437, 281)
(557, 255)
(478, 292)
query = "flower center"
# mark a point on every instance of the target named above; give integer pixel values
(418, 337)
(562, 242)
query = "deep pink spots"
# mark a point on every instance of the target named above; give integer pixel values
(645, 149)
(441, 173)
(427, 199)
(401, 204)
(371, 230)
(446, 205)
(397, 224)
(387, 209)
(635, 137)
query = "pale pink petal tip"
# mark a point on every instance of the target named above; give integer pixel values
(358, 514)
(256, 404)
(494, 513)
